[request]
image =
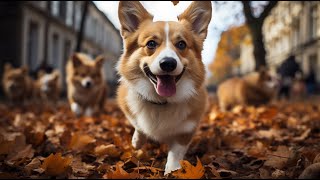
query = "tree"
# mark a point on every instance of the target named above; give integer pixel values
(82, 26)
(255, 26)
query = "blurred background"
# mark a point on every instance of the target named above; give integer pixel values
(242, 36)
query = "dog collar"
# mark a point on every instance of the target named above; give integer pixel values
(153, 102)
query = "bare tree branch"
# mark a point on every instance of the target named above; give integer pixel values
(248, 12)
(268, 9)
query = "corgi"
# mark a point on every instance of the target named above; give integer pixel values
(162, 91)
(18, 86)
(49, 86)
(255, 88)
(86, 86)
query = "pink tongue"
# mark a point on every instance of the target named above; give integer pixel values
(166, 85)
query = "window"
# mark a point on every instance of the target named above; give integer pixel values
(55, 7)
(33, 45)
(70, 9)
(313, 22)
(55, 50)
(63, 10)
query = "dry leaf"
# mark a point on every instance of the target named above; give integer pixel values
(188, 171)
(79, 141)
(55, 164)
(279, 158)
(109, 150)
(119, 173)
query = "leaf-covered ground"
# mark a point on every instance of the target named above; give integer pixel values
(279, 140)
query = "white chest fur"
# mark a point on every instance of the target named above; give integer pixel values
(159, 121)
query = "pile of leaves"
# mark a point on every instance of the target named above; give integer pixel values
(278, 140)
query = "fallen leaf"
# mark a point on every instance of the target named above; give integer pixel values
(109, 150)
(79, 141)
(188, 171)
(55, 164)
(279, 158)
(119, 173)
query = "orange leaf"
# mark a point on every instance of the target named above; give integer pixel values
(119, 173)
(79, 141)
(188, 171)
(55, 165)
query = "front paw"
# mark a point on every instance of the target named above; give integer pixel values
(171, 166)
(76, 109)
(138, 139)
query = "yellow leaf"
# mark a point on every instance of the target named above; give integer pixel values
(119, 173)
(188, 171)
(55, 165)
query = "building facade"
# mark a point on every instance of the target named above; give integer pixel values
(293, 27)
(46, 31)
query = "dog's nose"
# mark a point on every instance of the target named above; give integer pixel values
(168, 64)
(88, 84)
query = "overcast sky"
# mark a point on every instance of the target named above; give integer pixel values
(221, 19)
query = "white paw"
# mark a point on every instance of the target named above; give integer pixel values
(171, 166)
(88, 112)
(76, 109)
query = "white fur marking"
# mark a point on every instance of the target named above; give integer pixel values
(166, 52)
(76, 109)
(85, 81)
(176, 153)
(88, 111)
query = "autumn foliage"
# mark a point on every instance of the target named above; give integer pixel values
(279, 140)
(227, 54)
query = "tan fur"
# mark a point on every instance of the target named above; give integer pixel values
(18, 86)
(188, 112)
(248, 90)
(52, 90)
(78, 67)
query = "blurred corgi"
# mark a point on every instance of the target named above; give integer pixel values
(18, 86)
(162, 90)
(252, 89)
(49, 85)
(86, 84)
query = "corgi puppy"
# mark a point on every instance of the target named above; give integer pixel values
(49, 85)
(86, 87)
(17, 84)
(252, 89)
(162, 90)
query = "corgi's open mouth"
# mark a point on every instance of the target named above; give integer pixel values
(165, 85)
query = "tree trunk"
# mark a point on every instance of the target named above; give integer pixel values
(259, 52)
(82, 26)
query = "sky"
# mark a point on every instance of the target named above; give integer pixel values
(222, 19)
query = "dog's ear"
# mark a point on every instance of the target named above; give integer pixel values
(99, 61)
(131, 15)
(76, 61)
(55, 75)
(24, 69)
(41, 73)
(7, 66)
(198, 15)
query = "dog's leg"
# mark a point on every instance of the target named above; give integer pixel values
(76, 108)
(138, 139)
(177, 151)
(89, 111)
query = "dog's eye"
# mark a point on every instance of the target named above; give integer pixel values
(151, 44)
(181, 45)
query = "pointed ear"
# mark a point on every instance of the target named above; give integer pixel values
(7, 66)
(25, 69)
(41, 73)
(198, 15)
(76, 61)
(131, 15)
(99, 61)
(56, 75)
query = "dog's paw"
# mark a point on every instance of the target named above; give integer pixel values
(171, 166)
(138, 140)
(76, 109)
(89, 112)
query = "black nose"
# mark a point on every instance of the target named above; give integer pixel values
(88, 84)
(168, 64)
